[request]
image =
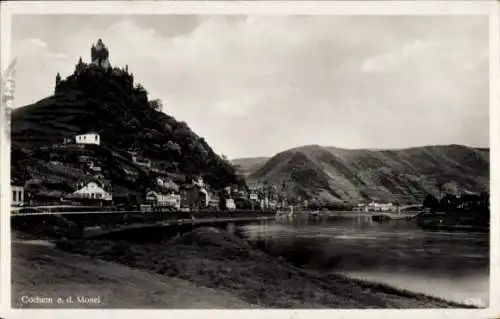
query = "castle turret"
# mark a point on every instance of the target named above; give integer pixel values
(58, 79)
(79, 67)
(99, 55)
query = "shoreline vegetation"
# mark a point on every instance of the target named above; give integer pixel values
(240, 275)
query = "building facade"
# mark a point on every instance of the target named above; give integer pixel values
(194, 197)
(93, 191)
(230, 204)
(380, 207)
(17, 195)
(166, 200)
(88, 138)
(213, 202)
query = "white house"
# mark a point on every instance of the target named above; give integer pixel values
(94, 191)
(170, 200)
(17, 195)
(230, 203)
(88, 138)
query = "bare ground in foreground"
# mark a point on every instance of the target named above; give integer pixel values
(207, 269)
(41, 271)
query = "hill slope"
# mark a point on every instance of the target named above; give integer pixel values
(106, 100)
(335, 174)
(248, 165)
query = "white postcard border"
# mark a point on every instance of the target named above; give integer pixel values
(489, 8)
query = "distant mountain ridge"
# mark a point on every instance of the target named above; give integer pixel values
(335, 174)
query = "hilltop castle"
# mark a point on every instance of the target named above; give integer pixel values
(99, 57)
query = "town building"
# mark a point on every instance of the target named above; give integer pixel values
(264, 203)
(213, 202)
(194, 196)
(380, 207)
(157, 198)
(93, 190)
(88, 138)
(17, 195)
(254, 196)
(273, 204)
(126, 196)
(230, 204)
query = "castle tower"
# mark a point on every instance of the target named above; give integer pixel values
(79, 67)
(99, 55)
(58, 79)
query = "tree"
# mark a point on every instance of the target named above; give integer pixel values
(173, 147)
(431, 202)
(222, 200)
(450, 188)
(156, 104)
(439, 186)
(139, 88)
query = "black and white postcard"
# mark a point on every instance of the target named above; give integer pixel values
(325, 159)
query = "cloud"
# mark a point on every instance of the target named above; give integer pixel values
(57, 56)
(35, 43)
(344, 81)
(33, 50)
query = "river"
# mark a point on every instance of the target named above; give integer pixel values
(449, 265)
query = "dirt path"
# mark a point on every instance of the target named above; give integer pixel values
(42, 274)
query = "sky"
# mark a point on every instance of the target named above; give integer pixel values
(258, 85)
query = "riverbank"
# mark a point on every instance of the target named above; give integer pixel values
(238, 275)
(42, 273)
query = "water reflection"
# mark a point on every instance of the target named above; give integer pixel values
(452, 265)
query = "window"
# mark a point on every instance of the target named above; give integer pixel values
(85, 137)
(98, 195)
(14, 196)
(20, 196)
(96, 137)
(92, 195)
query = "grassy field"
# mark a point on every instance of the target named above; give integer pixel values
(41, 274)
